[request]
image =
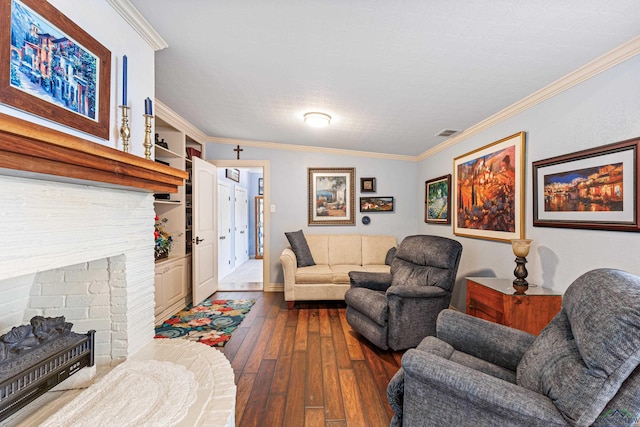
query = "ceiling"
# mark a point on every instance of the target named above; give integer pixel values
(392, 74)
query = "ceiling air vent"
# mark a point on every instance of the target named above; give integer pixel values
(447, 132)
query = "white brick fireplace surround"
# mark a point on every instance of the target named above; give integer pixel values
(81, 251)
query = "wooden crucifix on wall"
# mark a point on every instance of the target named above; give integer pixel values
(238, 150)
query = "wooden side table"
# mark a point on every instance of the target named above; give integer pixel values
(494, 300)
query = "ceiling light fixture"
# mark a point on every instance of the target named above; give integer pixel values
(317, 119)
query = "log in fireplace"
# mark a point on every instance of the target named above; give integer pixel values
(35, 358)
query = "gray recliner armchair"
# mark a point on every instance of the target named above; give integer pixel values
(583, 369)
(397, 310)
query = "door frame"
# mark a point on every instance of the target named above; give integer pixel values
(267, 286)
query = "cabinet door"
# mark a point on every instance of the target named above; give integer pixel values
(484, 303)
(173, 286)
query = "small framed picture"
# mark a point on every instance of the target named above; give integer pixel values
(376, 204)
(367, 185)
(233, 174)
(260, 186)
(437, 201)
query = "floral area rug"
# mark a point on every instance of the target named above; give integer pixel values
(210, 322)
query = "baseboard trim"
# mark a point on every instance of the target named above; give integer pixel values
(274, 287)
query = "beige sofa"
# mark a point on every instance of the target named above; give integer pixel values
(335, 256)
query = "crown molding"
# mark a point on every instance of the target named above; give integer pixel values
(134, 18)
(608, 60)
(311, 149)
(178, 122)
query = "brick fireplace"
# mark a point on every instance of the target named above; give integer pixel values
(82, 252)
(76, 220)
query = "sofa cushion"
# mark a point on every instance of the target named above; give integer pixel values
(300, 248)
(345, 249)
(319, 246)
(314, 274)
(341, 272)
(375, 248)
(583, 356)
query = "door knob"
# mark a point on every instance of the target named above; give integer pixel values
(198, 240)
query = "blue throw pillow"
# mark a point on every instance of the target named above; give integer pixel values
(300, 248)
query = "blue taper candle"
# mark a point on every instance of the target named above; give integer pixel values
(124, 80)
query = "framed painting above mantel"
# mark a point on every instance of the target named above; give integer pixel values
(52, 68)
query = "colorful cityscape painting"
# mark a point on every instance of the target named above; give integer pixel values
(486, 192)
(46, 63)
(590, 189)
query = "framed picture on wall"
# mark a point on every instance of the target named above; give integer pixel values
(437, 203)
(595, 189)
(232, 174)
(489, 191)
(52, 68)
(331, 196)
(367, 185)
(376, 204)
(260, 186)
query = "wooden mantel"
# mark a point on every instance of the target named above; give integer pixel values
(26, 146)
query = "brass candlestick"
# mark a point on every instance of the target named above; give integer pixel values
(125, 130)
(147, 136)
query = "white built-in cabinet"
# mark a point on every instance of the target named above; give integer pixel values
(173, 274)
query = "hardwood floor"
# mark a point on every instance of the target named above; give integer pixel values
(306, 366)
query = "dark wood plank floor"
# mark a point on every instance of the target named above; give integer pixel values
(306, 366)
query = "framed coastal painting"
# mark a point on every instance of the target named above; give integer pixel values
(331, 196)
(52, 68)
(437, 202)
(594, 189)
(488, 191)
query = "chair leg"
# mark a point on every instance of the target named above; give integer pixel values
(290, 304)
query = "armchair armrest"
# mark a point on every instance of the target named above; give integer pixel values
(417, 292)
(375, 281)
(495, 343)
(449, 386)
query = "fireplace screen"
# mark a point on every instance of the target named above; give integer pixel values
(36, 357)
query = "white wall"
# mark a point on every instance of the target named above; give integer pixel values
(599, 111)
(104, 24)
(288, 187)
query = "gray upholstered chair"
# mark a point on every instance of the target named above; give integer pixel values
(397, 310)
(583, 368)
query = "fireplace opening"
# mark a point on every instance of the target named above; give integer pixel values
(36, 357)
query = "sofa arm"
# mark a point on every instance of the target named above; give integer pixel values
(375, 281)
(458, 394)
(289, 268)
(498, 344)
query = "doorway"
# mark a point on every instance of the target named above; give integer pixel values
(245, 270)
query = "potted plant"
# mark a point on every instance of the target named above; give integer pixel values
(163, 240)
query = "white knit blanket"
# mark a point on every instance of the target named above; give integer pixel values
(135, 393)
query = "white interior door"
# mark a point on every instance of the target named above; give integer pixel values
(224, 230)
(205, 243)
(241, 215)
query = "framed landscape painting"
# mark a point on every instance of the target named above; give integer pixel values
(52, 68)
(488, 191)
(595, 189)
(331, 194)
(376, 204)
(437, 202)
